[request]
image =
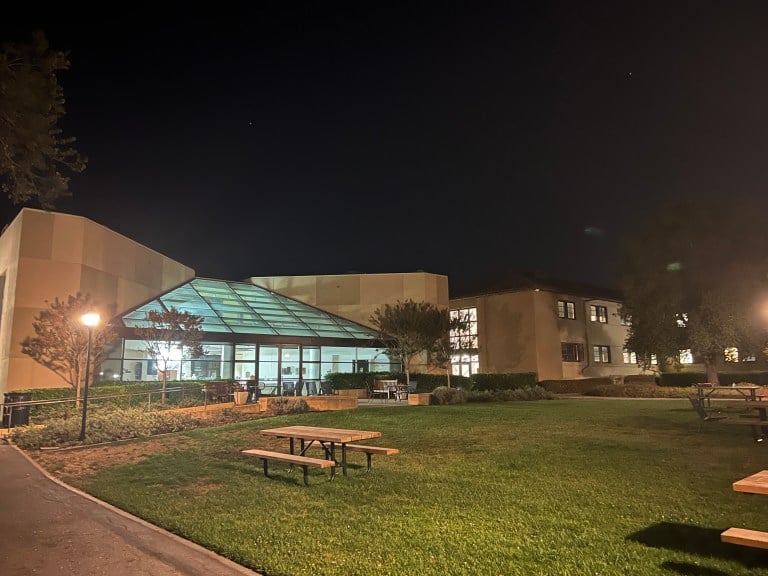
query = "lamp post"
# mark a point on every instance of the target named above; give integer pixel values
(90, 321)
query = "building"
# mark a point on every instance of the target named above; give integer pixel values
(287, 327)
(558, 331)
(248, 331)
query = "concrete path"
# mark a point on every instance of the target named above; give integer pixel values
(50, 529)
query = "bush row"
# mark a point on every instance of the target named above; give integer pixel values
(105, 425)
(429, 382)
(726, 378)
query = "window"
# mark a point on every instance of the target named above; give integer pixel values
(686, 356)
(629, 357)
(598, 314)
(566, 309)
(465, 361)
(572, 352)
(732, 355)
(601, 354)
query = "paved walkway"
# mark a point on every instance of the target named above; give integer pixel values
(50, 529)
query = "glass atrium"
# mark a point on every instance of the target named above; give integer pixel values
(249, 333)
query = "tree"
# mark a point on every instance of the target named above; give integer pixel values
(691, 281)
(33, 152)
(168, 333)
(60, 342)
(408, 328)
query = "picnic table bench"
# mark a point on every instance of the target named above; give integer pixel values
(371, 450)
(304, 461)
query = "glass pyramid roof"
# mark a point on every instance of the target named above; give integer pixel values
(242, 308)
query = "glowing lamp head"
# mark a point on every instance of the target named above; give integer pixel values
(91, 319)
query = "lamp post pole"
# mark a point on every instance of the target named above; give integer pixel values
(90, 320)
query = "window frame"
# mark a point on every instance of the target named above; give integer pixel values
(568, 310)
(601, 354)
(594, 313)
(576, 347)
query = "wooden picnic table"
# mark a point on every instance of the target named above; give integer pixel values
(708, 392)
(328, 438)
(755, 484)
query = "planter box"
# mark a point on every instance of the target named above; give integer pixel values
(353, 393)
(419, 399)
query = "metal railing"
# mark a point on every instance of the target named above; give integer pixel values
(10, 409)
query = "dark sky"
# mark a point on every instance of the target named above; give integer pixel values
(472, 139)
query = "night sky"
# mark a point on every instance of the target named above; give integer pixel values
(471, 139)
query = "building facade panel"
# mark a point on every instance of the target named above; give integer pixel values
(39, 262)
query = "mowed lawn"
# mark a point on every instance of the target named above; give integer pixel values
(563, 487)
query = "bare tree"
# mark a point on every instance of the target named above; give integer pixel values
(168, 332)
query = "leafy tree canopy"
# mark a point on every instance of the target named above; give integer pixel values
(34, 156)
(60, 342)
(410, 328)
(695, 277)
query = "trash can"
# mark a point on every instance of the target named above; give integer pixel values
(15, 415)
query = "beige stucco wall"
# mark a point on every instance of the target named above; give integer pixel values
(521, 332)
(45, 255)
(357, 296)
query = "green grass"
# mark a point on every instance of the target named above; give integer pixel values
(564, 487)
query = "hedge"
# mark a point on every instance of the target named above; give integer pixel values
(510, 381)
(726, 378)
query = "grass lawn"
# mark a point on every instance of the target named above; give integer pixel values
(563, 487)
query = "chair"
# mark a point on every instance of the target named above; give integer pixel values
(381, 388)
(289, 388)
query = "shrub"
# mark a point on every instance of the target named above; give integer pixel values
(574, 386)
(445, 395)
(526, 393)
(638, 391)
(103, 425)
(282, 405)
(509, 381)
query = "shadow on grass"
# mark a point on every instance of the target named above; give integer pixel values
(688, 569)
(697, 540)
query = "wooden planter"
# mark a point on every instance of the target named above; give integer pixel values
(241, 397)
(419, 399)
(353, 393)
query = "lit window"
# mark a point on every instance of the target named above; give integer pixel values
(601, 354)
(629, 357)
(654, 360)
(572, 351)
(686, 356)
(625, 320)
(598, 314)
(566, 310)
(731, 354)
(682, 320)
(465, 341)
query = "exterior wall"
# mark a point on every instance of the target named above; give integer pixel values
(45, 255)
(519, 331)
(357, 296)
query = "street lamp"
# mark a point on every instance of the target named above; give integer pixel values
(90, 321)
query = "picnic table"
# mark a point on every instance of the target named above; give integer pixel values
(754, 484)
(327, 438)
(706, 392)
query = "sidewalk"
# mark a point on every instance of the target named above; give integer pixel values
(51, 529)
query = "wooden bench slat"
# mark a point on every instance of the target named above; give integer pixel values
(303, 461)
(372, 449)
(290, 458)
(744, 537)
